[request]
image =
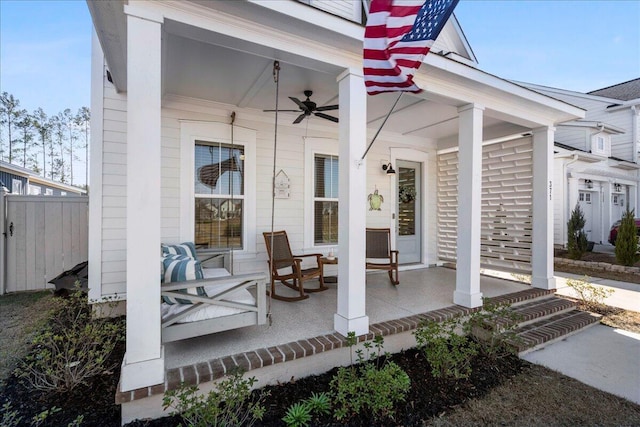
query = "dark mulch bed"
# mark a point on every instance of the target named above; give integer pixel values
(428, 396)
(95, 401)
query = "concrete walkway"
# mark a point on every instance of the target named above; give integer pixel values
(602, 357)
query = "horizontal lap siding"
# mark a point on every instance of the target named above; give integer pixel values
(507, 172)
(114, 197)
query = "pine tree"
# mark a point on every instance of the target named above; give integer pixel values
(627, 240)
(577, 238)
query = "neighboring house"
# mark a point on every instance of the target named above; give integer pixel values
(596, 158)
(19, 180)
(178, 86)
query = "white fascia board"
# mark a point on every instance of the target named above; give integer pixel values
(624, 105)
(313, 16)
(541, 88)
(44, 181)
(569, 112)
(595, 125)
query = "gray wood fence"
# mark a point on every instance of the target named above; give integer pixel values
(43, 237)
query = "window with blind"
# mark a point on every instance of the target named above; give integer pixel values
(325, 199)
(219, 195)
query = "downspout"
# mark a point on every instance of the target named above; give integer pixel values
(566, 188)
(635, 112)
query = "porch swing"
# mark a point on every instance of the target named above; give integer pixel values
(199, 301)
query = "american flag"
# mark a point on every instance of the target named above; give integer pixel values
(399, 34)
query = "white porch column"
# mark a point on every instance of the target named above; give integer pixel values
(144, 359)
(351, 316)
(467, 291)
(542, 241)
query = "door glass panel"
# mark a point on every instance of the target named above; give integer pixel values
(406, 201)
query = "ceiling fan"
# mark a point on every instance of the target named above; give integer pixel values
(309, 107)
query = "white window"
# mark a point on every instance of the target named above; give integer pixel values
(16, 187)
(585, 197)
(600, 145)
(208, 215)
(325, 199)
(219, 195)
(63, 193)
(35, 190)
(48, 192)
(321, 193)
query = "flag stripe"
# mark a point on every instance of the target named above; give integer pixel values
(399, 34)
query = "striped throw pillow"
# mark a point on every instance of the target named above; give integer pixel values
(180, 268)
(186, 249)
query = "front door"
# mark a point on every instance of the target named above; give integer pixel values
(409, 225)
(586, 205)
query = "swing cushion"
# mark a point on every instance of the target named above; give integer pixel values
(180, 268)
(187, 249)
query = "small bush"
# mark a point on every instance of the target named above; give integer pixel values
(300, 414)
(72, 347)
(494, 330)
(627, 240)
(228, 404)
(591, 297)
(371, 386)
(576, 239)
(448, 352)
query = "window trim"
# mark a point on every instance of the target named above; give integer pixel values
(215, 132)
(313, 146)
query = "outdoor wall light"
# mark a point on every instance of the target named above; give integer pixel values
(390, 170)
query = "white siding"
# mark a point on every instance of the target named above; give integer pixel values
(289, 213)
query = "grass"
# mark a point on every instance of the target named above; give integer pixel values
(541, 397)
(21, 315)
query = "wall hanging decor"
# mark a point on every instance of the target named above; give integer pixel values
(282, 185)
(375, 201)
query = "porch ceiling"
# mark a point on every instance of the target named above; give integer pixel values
(246, 79)
(206, 57)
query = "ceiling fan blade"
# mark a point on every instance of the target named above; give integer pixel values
(328, 107)
(326, 116)
(299, 119)
(300, 104)
(280, 111)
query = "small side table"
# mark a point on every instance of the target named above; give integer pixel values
(324, 260)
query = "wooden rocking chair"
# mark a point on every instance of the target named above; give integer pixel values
(379, 248)
(284, 259)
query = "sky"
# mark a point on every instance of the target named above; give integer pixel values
(581, 45)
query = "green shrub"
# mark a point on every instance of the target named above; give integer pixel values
(301, 413)
(72, 347)
(228, 404)
(494, 330)
(576, 239)
(372, 386)
(449, 353)
(298, 415)
(591, 297)
(627, 240)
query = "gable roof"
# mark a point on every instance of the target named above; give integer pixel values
(623, 91)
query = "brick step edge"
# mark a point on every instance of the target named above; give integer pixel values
(536, 335)
(541, 309)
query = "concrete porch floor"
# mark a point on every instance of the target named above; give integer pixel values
(419, 291)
